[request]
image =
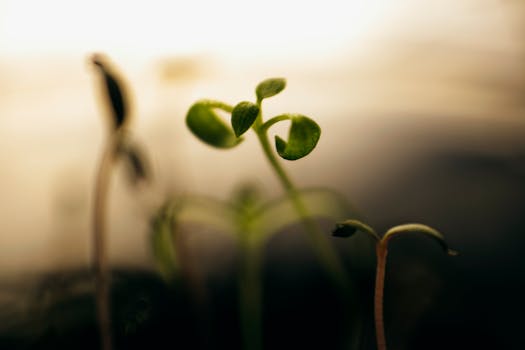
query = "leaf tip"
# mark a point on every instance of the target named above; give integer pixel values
(138, 168)
(244, 115)
(342, 230)
(452, 252)
(269, 87)
(114, 90)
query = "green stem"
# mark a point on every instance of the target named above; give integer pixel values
(250, 295)
(381, 252)
(264, 127)
(100, 260)
(317, 239)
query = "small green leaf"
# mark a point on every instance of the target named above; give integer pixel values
(419, 228)
(302, 138)
(204, 123)
(269, 87)
(243, 116)
(114, 90)
(348, 227)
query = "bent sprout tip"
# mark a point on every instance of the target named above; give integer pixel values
(420, 228)
(349, 227)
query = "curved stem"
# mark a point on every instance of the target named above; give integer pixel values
(317, 239)
(250, 295)
(100, 260)
(217, 104)
(264, 127)
(381, 252)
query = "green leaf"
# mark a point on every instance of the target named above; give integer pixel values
(163, 247)
(204, 123)
(419, 228)
(269, 87)
(114, 90)
(243, 116)
(348, 227)
(302, 138)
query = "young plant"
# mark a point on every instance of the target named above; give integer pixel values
(251, 221)
(204, 122)
(118, 145)
(350, 227)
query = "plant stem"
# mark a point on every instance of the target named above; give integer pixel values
(250, 295)
(381, 252)
(317, 239)
(100, 260)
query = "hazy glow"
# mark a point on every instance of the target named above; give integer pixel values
(154, 27)
(380, 67)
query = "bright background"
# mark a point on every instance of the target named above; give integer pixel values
(367, 71)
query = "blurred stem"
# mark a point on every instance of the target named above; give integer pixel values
(250, 294)
(318, 241)
(381, 252)
(100, 260)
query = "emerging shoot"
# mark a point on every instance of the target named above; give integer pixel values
(350, 227)
(118, 145)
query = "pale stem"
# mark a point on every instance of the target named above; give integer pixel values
(100, 260)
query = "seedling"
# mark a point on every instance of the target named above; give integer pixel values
(204, 122)
(118, 145)
(350, 227)
(251, 221)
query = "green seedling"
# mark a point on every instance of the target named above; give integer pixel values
(251, 221)
(118, 145)
(304, 133)
(350, 227)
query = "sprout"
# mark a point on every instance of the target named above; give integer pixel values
(349, 227)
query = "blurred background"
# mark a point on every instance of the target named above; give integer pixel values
(421, 105)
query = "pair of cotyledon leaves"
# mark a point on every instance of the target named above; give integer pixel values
(204, 122)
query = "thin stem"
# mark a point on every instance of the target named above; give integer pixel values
(381, 252)
(250, 295)
(217, 104)
(318, 240)
(264, 127)
(100, 260)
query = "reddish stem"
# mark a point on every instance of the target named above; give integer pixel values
(381, 252)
